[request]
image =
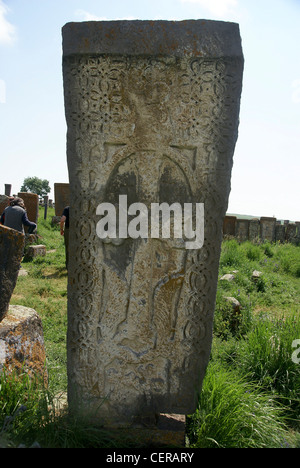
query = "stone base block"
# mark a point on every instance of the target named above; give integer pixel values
(22, 342)
(35, 251)
(169, 431)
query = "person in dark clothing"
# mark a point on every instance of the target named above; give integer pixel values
(15, 217)
(64, 230)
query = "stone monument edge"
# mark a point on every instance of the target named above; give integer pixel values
(200, 38)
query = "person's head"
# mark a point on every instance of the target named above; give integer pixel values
(17, 201)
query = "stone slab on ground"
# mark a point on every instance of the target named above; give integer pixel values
(36, 251)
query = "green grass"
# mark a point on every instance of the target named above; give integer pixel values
(250, 394)
(45, 290)
(233, 413)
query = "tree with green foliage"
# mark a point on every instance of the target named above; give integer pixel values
(36, 185)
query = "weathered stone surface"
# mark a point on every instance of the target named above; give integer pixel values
(291, 232)
(11, 253)
(256, 274)
(22, 342)
(242, 229)
(234, 302)
(254, 229)
(3, 203)
(152, 113)
(280, 232)
(267, 229)
(7, 189)
(227, 277)
(62, 197)
(23, 272)
(169, 431)
(229, 226)
(31, 202)
(36, 251)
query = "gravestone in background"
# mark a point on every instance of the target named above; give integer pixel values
(229, 226)
(7, 189)
(31, 202)
(267, 229)
(152, 109)
(242, 229)
(61, 197)
(280, 232)
(4, 199)
(291, 232)
(254, 229)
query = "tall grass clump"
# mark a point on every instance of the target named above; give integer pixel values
(23, 405)
(231, 254)
(234, 414)
(265, 356)
(31, 417)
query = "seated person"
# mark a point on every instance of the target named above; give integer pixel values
(15, 217)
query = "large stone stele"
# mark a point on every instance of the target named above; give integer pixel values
(11, 251)
(152, 109)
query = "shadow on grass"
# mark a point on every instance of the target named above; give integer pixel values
(60, 272)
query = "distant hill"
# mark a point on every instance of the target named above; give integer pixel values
(242, 216)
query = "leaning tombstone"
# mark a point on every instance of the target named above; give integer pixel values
(11, 253)
(152, 110)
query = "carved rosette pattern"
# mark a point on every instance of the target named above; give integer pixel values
(132, 122)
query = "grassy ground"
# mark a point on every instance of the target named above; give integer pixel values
(44, 289)
(250, 395)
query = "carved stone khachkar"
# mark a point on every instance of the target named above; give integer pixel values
(11, 252)
(152, 109)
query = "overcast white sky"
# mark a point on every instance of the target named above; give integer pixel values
(265, 178)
